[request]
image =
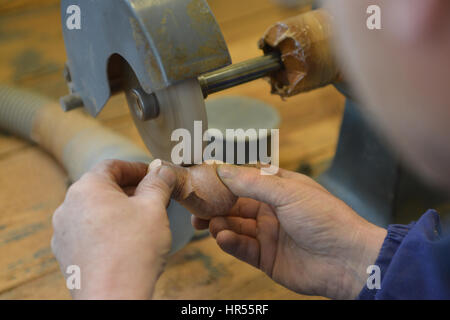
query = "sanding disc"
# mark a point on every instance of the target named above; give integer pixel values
(180, 106)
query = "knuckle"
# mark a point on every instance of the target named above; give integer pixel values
(157, 186)
(74, 193)
(80, 182)
(109, 165)
(251, 177)
(86, 178)
(82, 186)
(213, 228)
(216, 225)
(282, 191)
(291, 193)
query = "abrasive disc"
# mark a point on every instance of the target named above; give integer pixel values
(180, 106)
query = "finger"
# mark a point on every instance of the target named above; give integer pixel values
(158, 184)
(122, 173)
(242, 247)
(282, 173)
(238, 225)
(249, 183)
(299, 177)
(199, 224)
(245, 208)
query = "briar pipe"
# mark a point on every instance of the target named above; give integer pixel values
(298, 58)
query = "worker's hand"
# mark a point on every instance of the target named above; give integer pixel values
(294, 230)
(113, 225)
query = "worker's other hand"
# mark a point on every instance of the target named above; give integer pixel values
(295, 231)
(113, 225)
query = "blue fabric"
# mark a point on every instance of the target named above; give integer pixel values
(414, 261)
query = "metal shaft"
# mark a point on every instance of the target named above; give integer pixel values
(239, 73)
(211, 82)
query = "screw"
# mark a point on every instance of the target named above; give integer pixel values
(145, 105)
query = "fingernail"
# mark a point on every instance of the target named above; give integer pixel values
(213, 161)
(226, 171)
(155, 164)
(164, 172)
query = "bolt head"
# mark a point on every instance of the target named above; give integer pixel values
(145, 106)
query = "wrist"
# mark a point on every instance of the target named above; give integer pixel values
(367, 243)
(119, 281)
(121, 289)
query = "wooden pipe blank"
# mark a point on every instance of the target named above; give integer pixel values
(304, 42)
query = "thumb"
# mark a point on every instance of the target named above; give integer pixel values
(158, 184)
(248, 182)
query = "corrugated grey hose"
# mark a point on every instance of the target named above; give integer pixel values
(17, 111)
(78, 142)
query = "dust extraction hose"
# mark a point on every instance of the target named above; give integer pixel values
(78, 142)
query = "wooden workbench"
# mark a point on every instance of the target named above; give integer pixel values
(32, 184)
